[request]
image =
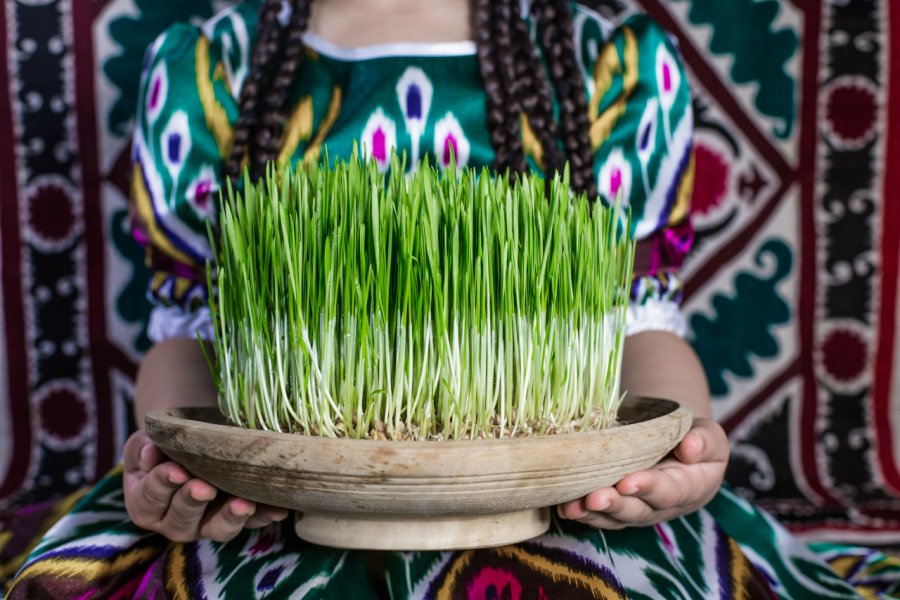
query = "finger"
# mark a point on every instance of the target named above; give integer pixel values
(601, 499)
(630, 510)
(266, 515)
(705, 442)
(602, 521)
(181, 522)
(132, 450)
(151, 456)
(572, 510)
(150, 496)
(228, 520)
(685, 488)
(661, 489)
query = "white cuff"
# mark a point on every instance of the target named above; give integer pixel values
(656, 315)
(173, 321)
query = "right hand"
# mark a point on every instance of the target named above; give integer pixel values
(162, 497)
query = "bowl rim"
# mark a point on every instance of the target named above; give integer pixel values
(177, 417)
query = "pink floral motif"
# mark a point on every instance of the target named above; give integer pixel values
(379, 151)
(450, 141)
(494, 583)
(159, 88)
(154, 93)
(668, 78)
(615, 178)
(665, 538)
(201, 191)
(615, 181)
(451, 147)
(262, 542)
(379, 138)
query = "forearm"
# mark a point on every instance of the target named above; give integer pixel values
(173, 373)
(662, 365)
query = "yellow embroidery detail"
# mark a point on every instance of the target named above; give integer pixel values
(740, 571)
(145, 214)
(598, 587)
(297, 129)
(175, 582)
(311, 156)
(446, 591)
(216, 117)
(683, 196)
(86, 569)
(182, 286)
(844, 565)
(606, 68)
(61, 508)
(553, 570)
(159, 279)
(219, 75)
(530, 143)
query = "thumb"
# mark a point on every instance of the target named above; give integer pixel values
(131, 453)
(705, 442)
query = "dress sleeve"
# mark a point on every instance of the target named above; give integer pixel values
(183, 131)
(641, 132)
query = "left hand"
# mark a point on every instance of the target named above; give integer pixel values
(678, 485)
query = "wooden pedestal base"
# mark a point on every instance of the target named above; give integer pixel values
(369, 532)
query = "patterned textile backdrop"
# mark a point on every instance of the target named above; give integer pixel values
(792, 292)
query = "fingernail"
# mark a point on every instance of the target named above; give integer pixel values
(177, 478)
(145, 453)
(578, 511)
(242, 508)
(198, 496)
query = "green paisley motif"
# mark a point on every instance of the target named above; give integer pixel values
(738, 25)
(132, 303)
(134, 34)
(742, 325)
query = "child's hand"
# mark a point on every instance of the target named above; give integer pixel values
(678, 485)
(162, 497)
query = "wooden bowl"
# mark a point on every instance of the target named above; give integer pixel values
(417, 495)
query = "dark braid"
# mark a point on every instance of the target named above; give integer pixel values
(257, 133)
(515, 83)
(557, 41)
(512, 87)
(535, 96)
(274, 105)
(502, 140)
(266, 46)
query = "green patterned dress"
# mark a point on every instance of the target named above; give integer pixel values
(423, 100)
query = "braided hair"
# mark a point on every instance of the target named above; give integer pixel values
(517, 84)
(264, 95)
